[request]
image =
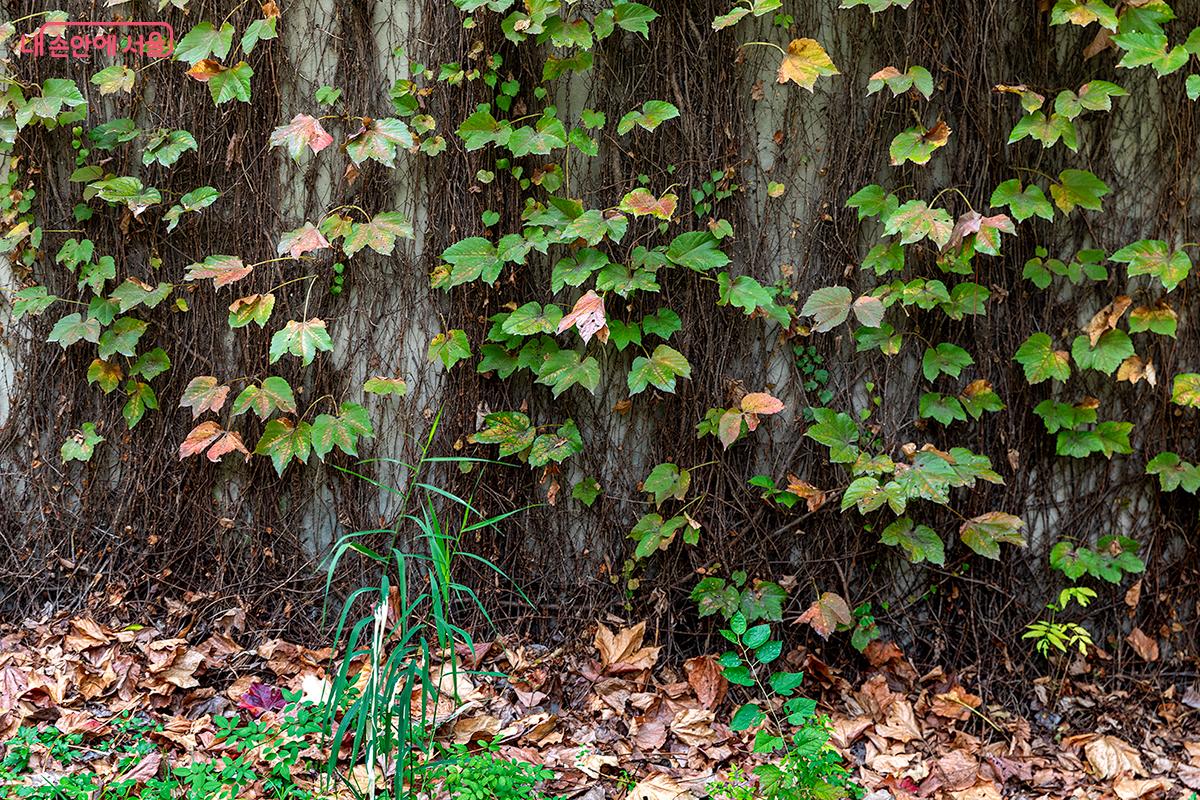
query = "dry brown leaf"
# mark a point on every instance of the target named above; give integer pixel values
(813, 497)
(1110, 757)
(624, 649)
(1134, 595)
(955, 704)
(704, 676)
(826, 613)
(955, 771)
(1106, 318)
(1143, 645)
(659, 786)
(1133, 788)
(694, 726)
(1134, 369)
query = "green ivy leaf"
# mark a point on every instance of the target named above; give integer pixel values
(829, 307)
(533, 318)
(140, 397)
(1023, 203)
(919, 542)
(285, 441)
(697, 250)
(275, 394)
(1041, 361)
(652, 114)
(450, 347)
(665, 481)
(947, 358)
(378, 140)
(379, 234)
(1185, 390)
(915, 221)
(343, 431)
(837, 431)
(166, 147)
(511, 430)
(586, 491)
(122, 337)
(564, 369)
(1111, 349)
(1154, 257)
(557, 446)
(302, 339)
(231, 84)
(660, 370)
(984, 534)
(204, 41)
(81, 445)
(634, 17)
(1077, 188)
(105, 373)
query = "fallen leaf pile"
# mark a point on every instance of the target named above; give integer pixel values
(609, 717)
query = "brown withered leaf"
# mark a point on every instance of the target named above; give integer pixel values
(704, 676)
(624, 648)
(826, 613)
(1143, 645)
(1111, 757)
(955, 704)
(1134, 595)
(811, 495)
(694, 726)
(206, 69)
(1106, 318)
(1134, 369)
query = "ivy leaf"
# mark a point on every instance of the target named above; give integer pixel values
(633, 17)
(653, 533)
(275, 394)
(105, 373)
(947, 358)
(122, 337)
(666, 481)
(1154, 257)
(193, 201)
(943, 408)
(204, 393)
(1083, 13)
(1150, 49)
(697, 250)
(258, 31)
(918, 144)
(804, 62)
(1023, 203)
(113, 79)
(829, 611)
(1193, 87)
(450, 348)
(1041, 361)
(533, 318)
(151, 364)
(885, 257)
(1114, 437)
(302, 240)
(564, 369)
(383, 386)
(303, 131)
(1078, 188)
(652, 114)
(1113, 347)
(588, 316)
(379, 234)
(73, 328)
(919, 542)
(1106, 318)
(915, 77)
(80, 445)
(978, 397)
(836, 431)
(378, 140)
(829, 307)
(285, 441)
(255, 308)
(660, 370)
(133, 292)
(1160, 319)
(984, 534)
(663, 323)
(1185, 390)
(915, 221)
(32, 301)
(203, 41)
(1173, 473)
(231, 84)
(873, 201)
(223, 270)
(511, 430)
(557, 446)
(167, 147)
(139, 398)
(473, 258)
(640, 202)
(302, 339)
(586, 491)
(343, 431)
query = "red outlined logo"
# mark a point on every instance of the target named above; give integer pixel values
(56, 39)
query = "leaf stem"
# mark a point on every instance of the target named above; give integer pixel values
(765, 44)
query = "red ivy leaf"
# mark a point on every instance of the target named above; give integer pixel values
(588, 316)
(301, 131)
(203, 394)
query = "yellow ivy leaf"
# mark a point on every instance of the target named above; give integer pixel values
(804, 62)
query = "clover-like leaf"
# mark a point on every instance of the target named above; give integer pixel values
(285, 441)
(342, 431)
(660, 370)
(380, 233)
(829, 307)
(275, 394)
(378, 140)
(1041, 361)
(511, 430)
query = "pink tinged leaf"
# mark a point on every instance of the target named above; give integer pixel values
(966, 225)
(729, 428)
(199, 438)
(228, 442)
(828, 612)
(761, 403)
(302, 130)
(588, 316)
(303, 240)
(223, 270)
(203, 393)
